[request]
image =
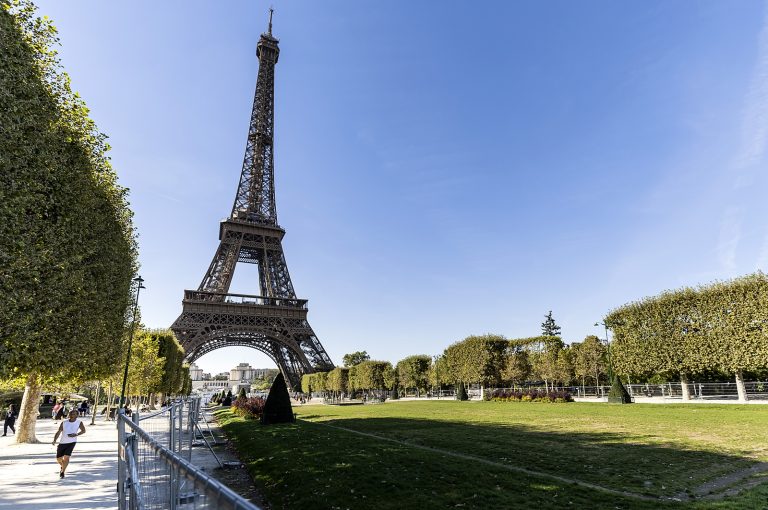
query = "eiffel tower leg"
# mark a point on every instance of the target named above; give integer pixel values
(222, 268)
(278, 280)
(290, 365)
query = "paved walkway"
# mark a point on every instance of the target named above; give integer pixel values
(30, 474)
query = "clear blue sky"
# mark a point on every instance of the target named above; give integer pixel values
(443, 168)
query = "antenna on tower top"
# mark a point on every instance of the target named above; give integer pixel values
(269, 30)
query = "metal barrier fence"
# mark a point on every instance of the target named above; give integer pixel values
(155, 469)
(756, 390)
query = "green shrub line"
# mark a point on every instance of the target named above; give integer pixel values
(529, 396)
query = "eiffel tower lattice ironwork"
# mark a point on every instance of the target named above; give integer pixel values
(274, 322)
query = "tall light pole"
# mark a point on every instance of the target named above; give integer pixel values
(608, 346)
(437, 375)
(139, 285)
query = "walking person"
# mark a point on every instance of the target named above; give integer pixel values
(62, 412)
(10, 420)
(69, 430)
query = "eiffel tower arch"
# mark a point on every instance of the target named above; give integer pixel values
(274, 321)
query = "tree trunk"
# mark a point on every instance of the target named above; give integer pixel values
(684, 385)
(740, 386)
(109, 401)
(95, 403)
(30, 405)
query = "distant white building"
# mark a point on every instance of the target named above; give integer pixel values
(195, 373)
(239, 377)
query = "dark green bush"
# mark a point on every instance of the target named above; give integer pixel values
(461, 392)
(277, 408)
(618, 393)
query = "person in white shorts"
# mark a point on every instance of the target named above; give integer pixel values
(69, 430)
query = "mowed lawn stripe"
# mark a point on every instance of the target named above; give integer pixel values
(304, 465)
(659, 451)
(509, 467)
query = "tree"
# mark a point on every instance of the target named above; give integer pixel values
(564, 366)
(145, 369)
(242, 394)
(338, 380)
(413, 372)
(589, 359)
(306, 383)
(722, 326)
(186, 385)
(173, 360)
(476, 359)
(69, 250)
(517, 368)
(437, 373)
(370, 375)
(545, 364)
(355, 358)
(549, 327)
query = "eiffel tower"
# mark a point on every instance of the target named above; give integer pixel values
(274, 322)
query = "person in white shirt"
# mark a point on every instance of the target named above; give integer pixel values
(69, 430)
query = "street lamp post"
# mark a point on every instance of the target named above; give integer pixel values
(616, 383)
(139, 285)
(437, 375)
(608, 346)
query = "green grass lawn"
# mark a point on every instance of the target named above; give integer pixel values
(441, 454)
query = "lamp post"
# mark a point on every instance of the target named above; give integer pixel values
(437, 375)
(139, 285)
(608, 346)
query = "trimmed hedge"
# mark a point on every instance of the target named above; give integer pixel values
(252, 407)
(529, 396)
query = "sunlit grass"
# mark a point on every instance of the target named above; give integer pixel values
(654, 451)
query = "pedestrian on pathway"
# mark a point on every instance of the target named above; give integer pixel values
(69, 430)
(63, 411)
(10, 420)
(56, 410)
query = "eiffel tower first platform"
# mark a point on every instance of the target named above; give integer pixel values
(274, 322)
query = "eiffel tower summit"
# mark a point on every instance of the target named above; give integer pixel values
(274, 321)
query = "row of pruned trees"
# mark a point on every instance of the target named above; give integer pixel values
(493, 360)
(68, 245)
(721, 327)
(156, 369)
(488, 360)
(368, 375)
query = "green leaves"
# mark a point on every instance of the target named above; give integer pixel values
(413, 371)
(68, 247)
(476, 359)
(718, 327)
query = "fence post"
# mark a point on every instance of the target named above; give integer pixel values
(179, 438)
(172, 475)
(190, 426)
(120, 461)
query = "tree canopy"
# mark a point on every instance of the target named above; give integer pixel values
(355, 358)
(413, 371)
(722, 326)
(549, 327)
(69, 250)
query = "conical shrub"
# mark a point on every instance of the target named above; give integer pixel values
(618, 394)
(278, 408)
(461, 392)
